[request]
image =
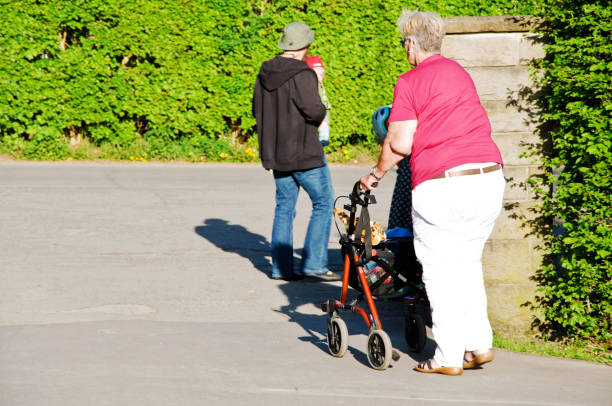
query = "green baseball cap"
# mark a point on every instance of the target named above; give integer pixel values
(296, 35)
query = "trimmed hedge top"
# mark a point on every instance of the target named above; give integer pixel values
(119, 71)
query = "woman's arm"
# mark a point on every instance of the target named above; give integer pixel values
(397, 145)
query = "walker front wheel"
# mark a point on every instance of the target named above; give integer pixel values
(337, 336)
(380, 350)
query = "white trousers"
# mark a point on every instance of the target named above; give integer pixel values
(452, 219)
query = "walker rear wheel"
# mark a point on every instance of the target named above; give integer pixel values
(415, 333)
(380, 350)
(337, 336)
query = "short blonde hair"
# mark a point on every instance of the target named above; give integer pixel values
(425, 27)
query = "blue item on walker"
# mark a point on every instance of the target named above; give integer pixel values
(399, 232)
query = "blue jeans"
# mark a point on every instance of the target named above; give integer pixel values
(317, 183)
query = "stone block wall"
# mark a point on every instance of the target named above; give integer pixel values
(496, 52)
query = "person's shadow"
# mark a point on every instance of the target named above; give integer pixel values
(237, 239)
(305, 296)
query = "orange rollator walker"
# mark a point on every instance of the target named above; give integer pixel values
(383, 268)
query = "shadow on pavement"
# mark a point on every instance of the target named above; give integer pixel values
(237, 239)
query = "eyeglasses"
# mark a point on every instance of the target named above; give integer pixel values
(404, 41)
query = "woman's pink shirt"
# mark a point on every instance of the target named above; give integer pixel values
(452, 126)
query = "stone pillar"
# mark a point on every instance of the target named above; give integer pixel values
(496, 51)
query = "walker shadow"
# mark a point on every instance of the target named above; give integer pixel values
(304, 297)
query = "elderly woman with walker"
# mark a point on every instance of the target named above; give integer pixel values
(457, 190)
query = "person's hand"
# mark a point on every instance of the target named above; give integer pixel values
(368, 182)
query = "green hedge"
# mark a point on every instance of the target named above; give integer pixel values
(575, 280)
(176, 76)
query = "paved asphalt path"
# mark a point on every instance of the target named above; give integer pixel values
(146, 284)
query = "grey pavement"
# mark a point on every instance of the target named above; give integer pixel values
(147, 284)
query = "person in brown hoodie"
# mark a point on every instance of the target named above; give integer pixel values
(288, 110)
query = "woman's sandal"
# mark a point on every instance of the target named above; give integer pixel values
(471, 360)
(427, 368)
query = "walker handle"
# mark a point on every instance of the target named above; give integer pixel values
(355, 196)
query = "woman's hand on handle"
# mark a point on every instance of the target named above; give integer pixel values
(368, 182)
